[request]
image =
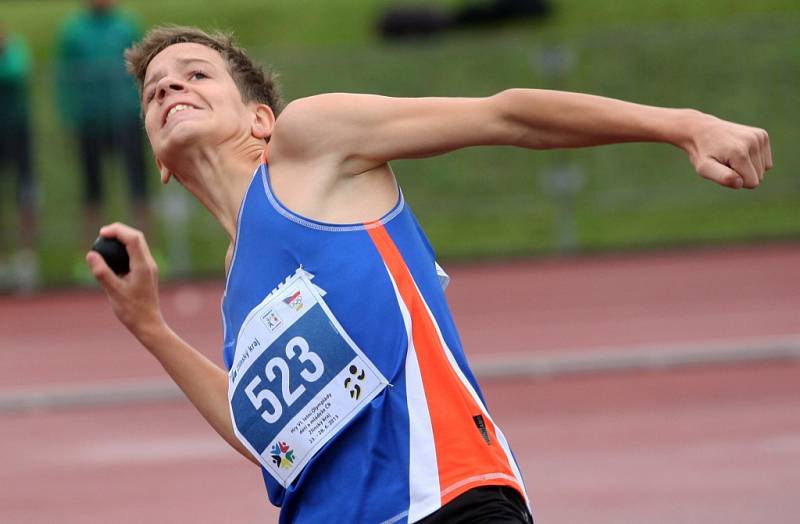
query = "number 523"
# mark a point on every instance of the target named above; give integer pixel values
(311, 373)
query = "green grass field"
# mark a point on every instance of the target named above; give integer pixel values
(736, 59)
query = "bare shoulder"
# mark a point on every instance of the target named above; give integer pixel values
(326, 130)
(306, 110)
(310, 122)
(316, 161)
(356, 133)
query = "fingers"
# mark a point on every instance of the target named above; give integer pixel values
(761, 153)
(101, 272)
(721, 174)
(757, 161)
(766, 150)
(134, 241)
(133, 297)
(743, 163)
(752, 158)
(731, 154)
(749, 157)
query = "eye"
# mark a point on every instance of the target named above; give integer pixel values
(149, 95)
(198, 75)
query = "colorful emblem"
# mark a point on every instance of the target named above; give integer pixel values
(295, 301)
(282, 455)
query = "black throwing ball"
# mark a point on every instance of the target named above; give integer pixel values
(114, 253)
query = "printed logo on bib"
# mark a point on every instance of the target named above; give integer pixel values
(271, 320)
(297, 378)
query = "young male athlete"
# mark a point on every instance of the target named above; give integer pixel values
(346, 380)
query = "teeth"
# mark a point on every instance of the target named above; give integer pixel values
(179, 107)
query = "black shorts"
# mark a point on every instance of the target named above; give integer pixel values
(484, 505)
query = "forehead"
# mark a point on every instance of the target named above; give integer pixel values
(179, 54)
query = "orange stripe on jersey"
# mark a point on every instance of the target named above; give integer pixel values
(464, 458)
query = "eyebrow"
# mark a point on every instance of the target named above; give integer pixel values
(158, 75)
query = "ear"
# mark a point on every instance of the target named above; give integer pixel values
(263, 122)
(165, 173)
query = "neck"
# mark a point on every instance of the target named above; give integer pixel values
(219, 178)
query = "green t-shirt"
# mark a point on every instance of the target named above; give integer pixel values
(93, 85)
(15, 66)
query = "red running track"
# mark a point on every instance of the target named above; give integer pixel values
(707, 445)
(712, 445)
(517, 308)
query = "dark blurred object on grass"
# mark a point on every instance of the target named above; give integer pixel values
(19, 263)
(414, 22)
(404, 23)
(498, 11)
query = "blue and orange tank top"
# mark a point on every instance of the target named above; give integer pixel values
(347, 376)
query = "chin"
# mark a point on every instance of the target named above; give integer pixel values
(179, 138)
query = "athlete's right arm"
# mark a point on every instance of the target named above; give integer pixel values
(134, 300)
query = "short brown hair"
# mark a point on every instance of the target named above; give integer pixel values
(254, 84)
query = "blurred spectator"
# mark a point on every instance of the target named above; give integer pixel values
(19, 271)
(489, 12)
(98, 99)
(413, 22)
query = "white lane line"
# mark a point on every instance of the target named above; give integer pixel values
(63, 396)
(650, 357)
(151, 450)
(532, 365)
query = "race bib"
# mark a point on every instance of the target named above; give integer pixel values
(297, 378)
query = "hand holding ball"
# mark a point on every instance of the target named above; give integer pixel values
(114, 253)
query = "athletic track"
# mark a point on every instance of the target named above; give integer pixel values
(651, 388)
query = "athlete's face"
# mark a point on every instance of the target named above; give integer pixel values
(190, 100)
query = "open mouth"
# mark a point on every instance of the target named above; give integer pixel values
(177, 108)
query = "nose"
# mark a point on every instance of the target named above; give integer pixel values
(166, 86)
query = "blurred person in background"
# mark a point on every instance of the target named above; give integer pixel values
(332, 284)
(20, 270)
(98, 101)
(410, 22)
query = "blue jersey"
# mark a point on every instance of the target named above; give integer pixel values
(347, 377)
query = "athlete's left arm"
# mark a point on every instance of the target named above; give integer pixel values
(364, 131)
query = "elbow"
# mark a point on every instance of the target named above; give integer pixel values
(514, 120)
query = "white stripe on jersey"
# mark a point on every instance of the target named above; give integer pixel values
(423, 469)
(500, 437)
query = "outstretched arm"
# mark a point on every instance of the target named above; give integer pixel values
(134, 299)
(356, 133)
